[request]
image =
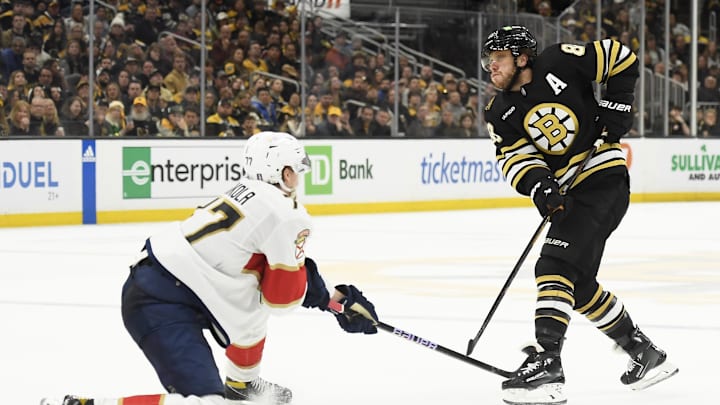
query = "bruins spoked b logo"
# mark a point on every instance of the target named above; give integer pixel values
(552, 127)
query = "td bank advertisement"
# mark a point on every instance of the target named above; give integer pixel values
(46, 182)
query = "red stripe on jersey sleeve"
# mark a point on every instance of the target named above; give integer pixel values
(256, 265)
(142, 400)
(282, 287)
(245, 356)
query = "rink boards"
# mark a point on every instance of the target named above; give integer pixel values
(87, 181)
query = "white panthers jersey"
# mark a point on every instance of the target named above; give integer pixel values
(243, 255)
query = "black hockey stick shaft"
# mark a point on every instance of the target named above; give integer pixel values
(336, 308)
(473, 342)
(442, 349)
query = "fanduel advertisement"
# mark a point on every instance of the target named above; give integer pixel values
(178, 172)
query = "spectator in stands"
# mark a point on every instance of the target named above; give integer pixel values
(421, 127)
(114, 123)
(290, 115)
(20, 29)
(712, 54)
(277, 89)
(82, 90)
(447, 127)
(222, 124)
(708, 92)
(154, 55)
(174, 124)
(455, 106)
(249, 125)
(177, 80)
(73, 117)
(12, 57)
(112, 93)
(254, 61)
(340, 54)
(134, 89)
(223, 47)
(362, 124)
(192, 119)
(449, 84)
(17, 81)
(57, 95)
(18, 8)
(19, 119)
(653, 53)
(140, 121)
(77, 18)
(48, 17)
(273, 59)
(55, 42)
(709, 126)
(243, 104)
(332, 126)
(37, 110)
(50, 119)
(467, 129)
(150, 27)
(380, 126)
(263, 103)
(153, 98)
(678, 125)
(431, 101)
(74, 61)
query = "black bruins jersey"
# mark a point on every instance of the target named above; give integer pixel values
(552, 122)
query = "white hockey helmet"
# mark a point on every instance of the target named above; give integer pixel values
(267, 153)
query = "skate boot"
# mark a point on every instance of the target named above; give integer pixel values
(68, 400)
(539, 380)
(648, 364)
(257, 391)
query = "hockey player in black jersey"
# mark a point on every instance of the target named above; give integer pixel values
(544, 122)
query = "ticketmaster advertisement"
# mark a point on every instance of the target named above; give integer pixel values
(71, 181)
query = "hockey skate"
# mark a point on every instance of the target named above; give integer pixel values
(68, 400)
(257, 391)
(648, 364)
(539, 380)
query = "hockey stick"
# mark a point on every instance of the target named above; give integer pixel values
(473, 342)
(337, 308)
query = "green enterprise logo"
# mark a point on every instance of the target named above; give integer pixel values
(136, 173)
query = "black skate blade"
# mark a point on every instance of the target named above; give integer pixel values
(663, 372)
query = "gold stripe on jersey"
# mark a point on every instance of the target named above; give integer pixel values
(608, 155)
(612, 58)
(517, 159)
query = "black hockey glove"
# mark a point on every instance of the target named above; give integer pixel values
(359, 314)
(617, 118)
(548, 200)
(317, 295)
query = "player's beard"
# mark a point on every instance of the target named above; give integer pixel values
(506, 81)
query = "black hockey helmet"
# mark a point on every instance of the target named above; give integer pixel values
(515, 38)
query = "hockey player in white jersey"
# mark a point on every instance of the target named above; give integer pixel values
(227, 268)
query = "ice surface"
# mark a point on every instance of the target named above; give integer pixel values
(432, 274)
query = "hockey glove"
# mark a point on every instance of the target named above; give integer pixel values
(359, 314)
(617, 117)
(317, 295)
(548, 200)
